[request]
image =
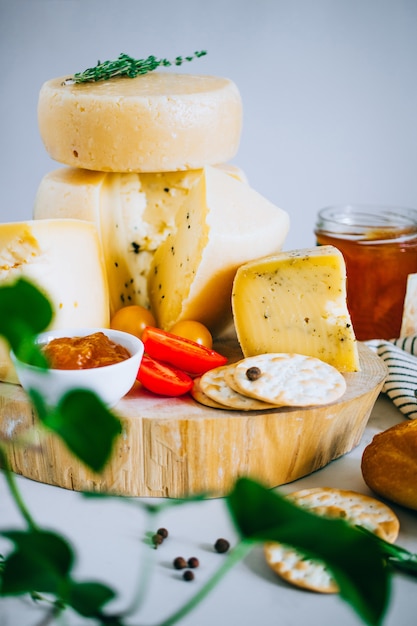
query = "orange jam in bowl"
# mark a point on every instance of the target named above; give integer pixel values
(89, 351)
(83, 359)
(379, 245)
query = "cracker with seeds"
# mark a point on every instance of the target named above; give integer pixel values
(355, 508)
(213, 385)
(285, 379)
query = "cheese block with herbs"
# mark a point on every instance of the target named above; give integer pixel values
(133, 214)
(223, 224)
(296, 302)
(63, 258)
(157, 122)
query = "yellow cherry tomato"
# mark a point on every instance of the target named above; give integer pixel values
(190, 329)
(132, 319)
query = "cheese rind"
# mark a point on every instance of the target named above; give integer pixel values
(296, 302)
(223, 224)
(63, 258)
(157, 122)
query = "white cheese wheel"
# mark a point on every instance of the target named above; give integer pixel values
(63, 258)
(157, 122)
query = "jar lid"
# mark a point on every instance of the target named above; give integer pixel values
(361, 221)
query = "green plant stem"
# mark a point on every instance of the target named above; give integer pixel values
(11, 482)
(236, 555)
(144, 579)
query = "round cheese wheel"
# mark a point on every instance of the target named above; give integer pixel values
(156, 122)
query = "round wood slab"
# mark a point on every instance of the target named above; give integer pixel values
(177, 447)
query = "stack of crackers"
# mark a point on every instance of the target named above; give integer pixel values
(268, 381)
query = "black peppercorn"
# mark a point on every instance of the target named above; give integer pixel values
(163, 532)
(180, 563)
(188, 575)
(157, 540)
(221, 545)
(193, 562)
(253, 373)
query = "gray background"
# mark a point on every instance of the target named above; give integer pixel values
(329, 89)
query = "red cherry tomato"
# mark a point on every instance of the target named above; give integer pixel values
(185, 354)
(163, 379)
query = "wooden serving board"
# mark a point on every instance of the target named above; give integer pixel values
(176, 447)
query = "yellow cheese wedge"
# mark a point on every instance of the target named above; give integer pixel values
(222, 224)
(133, 214)
(296, 302)
(64, 259)
(157, 122)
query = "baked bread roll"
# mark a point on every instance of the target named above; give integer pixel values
(158, 122)
(389, 464)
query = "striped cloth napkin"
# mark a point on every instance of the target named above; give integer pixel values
(400, 357)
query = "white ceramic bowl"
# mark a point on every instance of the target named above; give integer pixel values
(110, 382)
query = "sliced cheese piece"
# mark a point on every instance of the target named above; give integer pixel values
(133, 213)
(157, 122)
(223, 224)
(296, 302)
(63, 258)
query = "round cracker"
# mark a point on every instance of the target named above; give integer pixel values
(213, 385)
(295, 569)
(199, 396)
(355, 508)
(289, 380)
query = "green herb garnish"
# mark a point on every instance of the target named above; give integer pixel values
(126, 65)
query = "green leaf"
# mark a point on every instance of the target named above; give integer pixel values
(24, 312)
(41, 561)
(356, 561)
(88, 598)
(84, 423)
(397, 557)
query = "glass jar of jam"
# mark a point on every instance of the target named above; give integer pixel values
(379, 245)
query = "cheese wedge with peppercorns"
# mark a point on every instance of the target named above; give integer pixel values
(133, 214)
(63, 259)
(296, 302)
(223, 224)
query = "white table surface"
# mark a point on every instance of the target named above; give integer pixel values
(109, 539)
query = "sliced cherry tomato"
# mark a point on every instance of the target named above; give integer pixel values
(191, 329)
(132, 319)
(163, 379)
(185, 354)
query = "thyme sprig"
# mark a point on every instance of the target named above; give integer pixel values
(126, 65)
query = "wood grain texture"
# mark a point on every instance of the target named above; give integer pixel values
(176, 447)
